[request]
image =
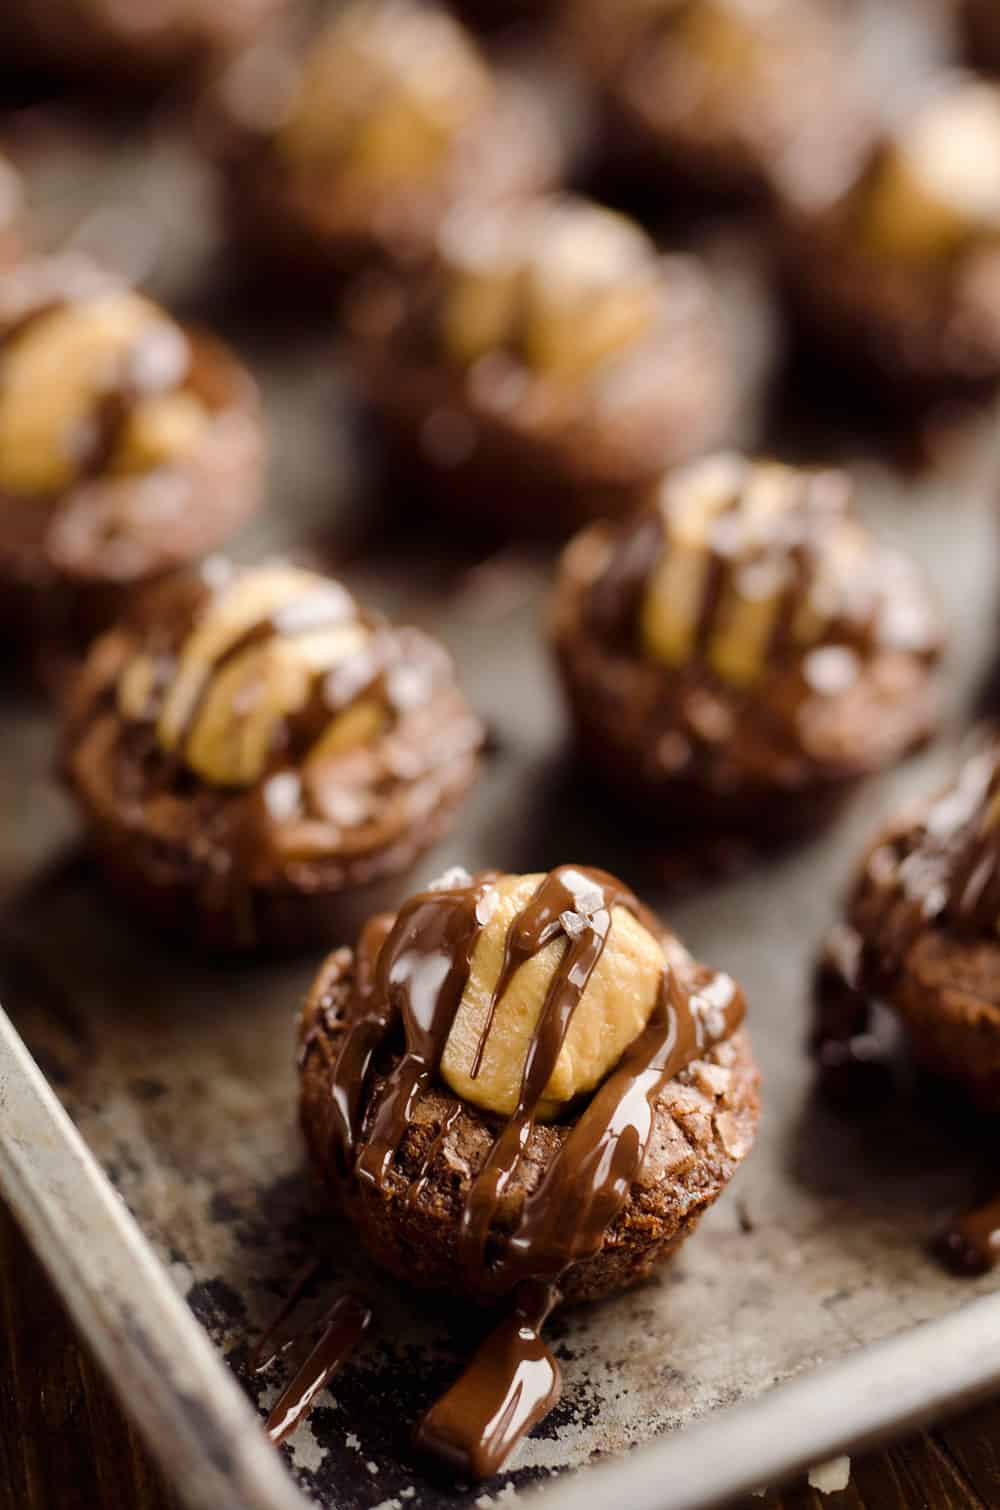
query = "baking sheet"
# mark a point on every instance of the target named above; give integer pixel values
(180, 1075)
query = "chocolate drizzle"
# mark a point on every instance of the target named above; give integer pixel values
(346, 1323)
(793, 542)
(511, 1384)
(413, 972)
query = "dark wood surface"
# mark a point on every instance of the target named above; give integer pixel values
(65, 1445)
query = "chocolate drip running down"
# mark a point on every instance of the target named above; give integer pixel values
(412, 971)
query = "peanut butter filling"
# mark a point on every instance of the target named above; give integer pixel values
(93, 383)
(485, 1055)
(755, 562)
(384, 93)
(565, 287)
(255, 677)
(935, 188)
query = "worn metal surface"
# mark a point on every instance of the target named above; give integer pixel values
(180, 1074)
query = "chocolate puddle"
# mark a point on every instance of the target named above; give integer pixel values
(511, 1384)
(411, 973)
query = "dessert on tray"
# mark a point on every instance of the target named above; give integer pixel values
(253, 752)
(742, 650)
(522, 1089)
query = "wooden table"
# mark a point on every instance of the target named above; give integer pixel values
(64, 1444)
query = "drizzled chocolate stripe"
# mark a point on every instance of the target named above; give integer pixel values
(616, 596)
(420, 976)
(287, 622)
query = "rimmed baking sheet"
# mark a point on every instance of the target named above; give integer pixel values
(180, 1078)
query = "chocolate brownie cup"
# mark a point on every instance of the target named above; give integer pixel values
(921, 935)
(253, 752)
(547, 363)
(899, 278)
(522, 1089)
(742, 650)
(12, 232)
(128, 447)
(739, 97)
(126, 43)
(355, 145)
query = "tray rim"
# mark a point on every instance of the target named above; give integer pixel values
(173, 1383)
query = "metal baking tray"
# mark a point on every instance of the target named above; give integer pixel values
(172, 1204)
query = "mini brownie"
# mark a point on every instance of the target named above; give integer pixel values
(743, 97)
(251, 750)
(128, 447)
(357, 144)
(921, 935)
(523, 1089)
(899, 278)
(126, 41)
(12, 234)
(742, 650)
(546, 364)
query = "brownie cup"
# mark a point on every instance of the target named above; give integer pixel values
(253, 752)
(742, 650)
(522, 1089)
(12, 229)
(898, 279)
(738, 97)
(546, 363)
(127, 43)
(355, 145)
(128, 447)
(921, 934)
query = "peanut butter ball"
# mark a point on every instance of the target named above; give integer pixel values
(546, 364)
(742, 650)
(899, 277)
(252, 750)
(743, 97)
(128, 447)
(355, 145)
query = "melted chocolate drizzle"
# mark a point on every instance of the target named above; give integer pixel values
(413, 970)
(798, 541)
(346, 1323)
(511, 1384)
